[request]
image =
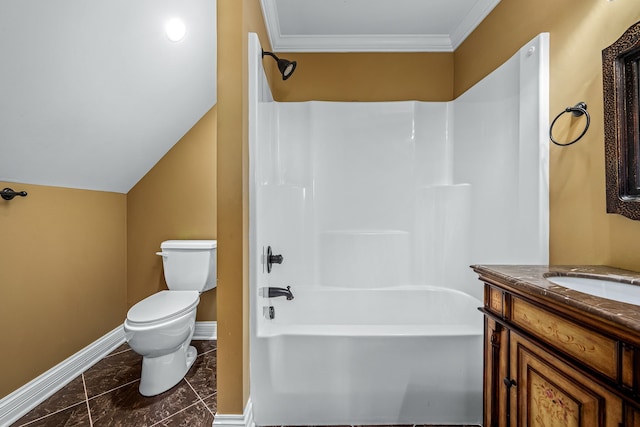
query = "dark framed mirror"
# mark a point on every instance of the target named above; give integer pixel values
(621, 84)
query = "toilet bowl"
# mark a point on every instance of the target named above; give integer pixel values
(161, 326)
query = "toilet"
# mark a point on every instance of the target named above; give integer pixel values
(160, 327)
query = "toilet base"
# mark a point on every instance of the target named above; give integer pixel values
(161, 373)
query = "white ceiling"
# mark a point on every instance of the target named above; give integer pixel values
(372, 25)
(93, 94)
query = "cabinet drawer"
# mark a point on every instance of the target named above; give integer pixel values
(494, 300)
(589, 347)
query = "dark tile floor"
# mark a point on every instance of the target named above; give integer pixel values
(107, 395)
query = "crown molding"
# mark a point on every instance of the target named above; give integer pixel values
(364, 43)
(373, 43)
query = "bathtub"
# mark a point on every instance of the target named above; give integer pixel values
(401, 355)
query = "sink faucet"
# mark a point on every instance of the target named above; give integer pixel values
(271, 292)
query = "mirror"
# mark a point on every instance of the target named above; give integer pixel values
(621, 84)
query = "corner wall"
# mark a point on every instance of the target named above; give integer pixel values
(236, 18)
(176, 199)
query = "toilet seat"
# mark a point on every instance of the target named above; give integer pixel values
(163, 306)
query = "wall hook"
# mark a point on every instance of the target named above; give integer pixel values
(9, 194)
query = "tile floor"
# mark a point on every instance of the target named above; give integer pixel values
(107, 395)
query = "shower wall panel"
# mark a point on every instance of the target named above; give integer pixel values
(432, 128)
(442, 230)
(363, 165)
(501, 148)
(361, 176)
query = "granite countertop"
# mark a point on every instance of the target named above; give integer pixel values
(532, 279)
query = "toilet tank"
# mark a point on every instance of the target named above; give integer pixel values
(189, 264)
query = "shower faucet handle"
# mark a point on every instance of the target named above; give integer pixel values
(272, 259)
(275, 259)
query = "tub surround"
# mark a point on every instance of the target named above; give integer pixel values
(553, 354)
(386, 206)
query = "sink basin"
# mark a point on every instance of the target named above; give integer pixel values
(600, 287)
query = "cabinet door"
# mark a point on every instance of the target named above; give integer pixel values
(547, 392)
(632, 417)
(496, 354)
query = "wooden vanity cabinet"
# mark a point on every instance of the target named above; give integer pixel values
(543, 368)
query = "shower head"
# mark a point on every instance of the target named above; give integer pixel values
(285, 66)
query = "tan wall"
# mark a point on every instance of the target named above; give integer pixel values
(367, 77)
(62, 276)
(236, 18)
(176, 199)
(580, 229)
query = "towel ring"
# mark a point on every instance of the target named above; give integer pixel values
(578, 110)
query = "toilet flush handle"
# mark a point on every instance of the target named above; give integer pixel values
(162, 254)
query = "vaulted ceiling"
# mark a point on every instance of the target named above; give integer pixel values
(93, 93)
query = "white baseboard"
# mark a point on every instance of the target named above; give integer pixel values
(21, 401)
(30, 395)
(228, 420)
(206, 331)
(236, 420)
(248, 414)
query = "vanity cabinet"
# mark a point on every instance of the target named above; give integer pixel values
(550, 365)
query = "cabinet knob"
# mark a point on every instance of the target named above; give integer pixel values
(509, 382)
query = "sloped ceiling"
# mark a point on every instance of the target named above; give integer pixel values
(372, 25)
(93, 93)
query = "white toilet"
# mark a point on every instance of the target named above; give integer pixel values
(160, 326)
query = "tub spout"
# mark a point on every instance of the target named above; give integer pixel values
(271, 292)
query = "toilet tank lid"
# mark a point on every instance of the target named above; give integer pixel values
(189, 244)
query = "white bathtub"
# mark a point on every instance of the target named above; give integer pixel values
(402, 355)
